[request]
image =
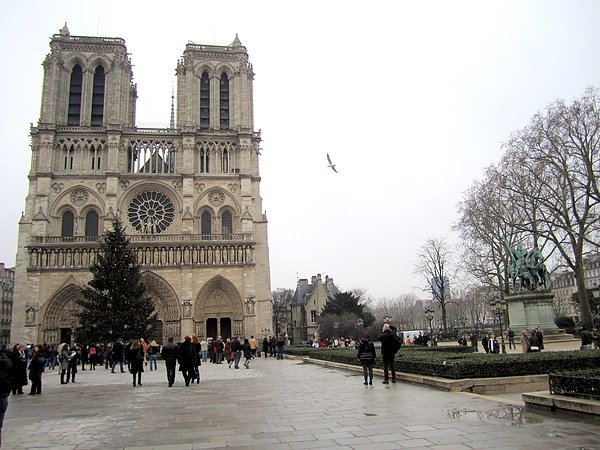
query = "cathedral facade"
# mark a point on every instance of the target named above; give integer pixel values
(188, 195)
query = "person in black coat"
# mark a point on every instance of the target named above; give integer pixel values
(19, 363)
(366, 356)
(187, 359)
(169, 354)
(6, 384)
(136, 358)
(390, 344)
(117, 354)
(247, 353)
(36, 369)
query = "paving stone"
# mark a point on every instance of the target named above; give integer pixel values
(275, 405)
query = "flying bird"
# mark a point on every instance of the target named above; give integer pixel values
(332, 165)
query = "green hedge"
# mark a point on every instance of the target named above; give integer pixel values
(447, 362)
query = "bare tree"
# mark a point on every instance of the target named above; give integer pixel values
(433, 264)
(282, 300)
(553, 164)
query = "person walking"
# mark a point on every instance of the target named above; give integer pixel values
(236, 349)
(204, 349)
(279, 343)
(153, 352)
(228, 353)
(19, 364)
(265, 347)
(6, 383)
(63, 359)
(247, 349)
(390, 344)
(534, 344)
(366, 356)
(118, 354)
(36, 369)
(511, 338)
(198, 361)
(493, 344)
(74, 358)
(93, 356)
(524, 342)
(136, 357)
(586, 339)
(473, 339)
(253, 346)
(169, 354)
(187, 359)
(484, 343)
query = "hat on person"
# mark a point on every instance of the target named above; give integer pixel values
(187, 338)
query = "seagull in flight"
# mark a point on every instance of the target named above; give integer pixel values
(332, 165)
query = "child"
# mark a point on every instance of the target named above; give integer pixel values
(366, 356)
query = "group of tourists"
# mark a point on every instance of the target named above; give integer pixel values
(390, 344)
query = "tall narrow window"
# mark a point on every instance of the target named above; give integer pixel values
(204, 160)
(69, 155)
(74, 113)
(224, 101)
(95, 157)
(91, 224)
(68, 224)
(98, 98)
(204, 102)
(225, 161)
(226, 224)
(205, 227)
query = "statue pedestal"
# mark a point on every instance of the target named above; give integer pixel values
(531, 309)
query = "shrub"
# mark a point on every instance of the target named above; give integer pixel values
(565, 322)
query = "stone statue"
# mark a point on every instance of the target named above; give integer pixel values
(527, 268)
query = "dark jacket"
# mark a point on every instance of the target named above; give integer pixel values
(136, 358)
(236, 345)
(187, 356)
(6, 376)
(36, 366)
(390, 344)
(366, 352)
(247, 350)
(170, 352)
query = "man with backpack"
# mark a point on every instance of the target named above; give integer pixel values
(390, 344)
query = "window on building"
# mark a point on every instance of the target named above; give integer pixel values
(69, 156)
(225, 161)
(95, 157)
(226, 223)
(204, 161)
(68, 224)
(98, 98)
(205, 223)
(91, 224)
(204, 101)
(313, 316)
(224, 101)
(75, 87)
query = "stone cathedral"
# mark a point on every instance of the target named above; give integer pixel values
(188, 195)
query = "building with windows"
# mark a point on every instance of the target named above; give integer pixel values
(188, 194)
(563, 287)
(308, 302)
(7, 284)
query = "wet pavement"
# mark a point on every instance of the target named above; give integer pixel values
(277, 404)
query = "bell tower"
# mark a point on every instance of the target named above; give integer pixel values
(188, 194)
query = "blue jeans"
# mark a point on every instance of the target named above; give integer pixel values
(204, 355)
(279, 352)
(153, 362)
(237, 356)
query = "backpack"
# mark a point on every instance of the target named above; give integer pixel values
(93, 351)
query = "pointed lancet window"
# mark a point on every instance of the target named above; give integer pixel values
(91, 224)
(205, 225)
(224, 101)
(204, 101)
(226, 224)
(68, 224)
(75, 87)
(98, 97)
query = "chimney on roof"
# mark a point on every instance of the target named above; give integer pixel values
(302, 282)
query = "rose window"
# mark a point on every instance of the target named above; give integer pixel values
(151, 212)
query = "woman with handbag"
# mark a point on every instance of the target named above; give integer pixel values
(136, 357)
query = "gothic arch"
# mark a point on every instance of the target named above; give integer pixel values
(218, 299)
(60, 312)
(229, 200)
(73, 59)
(64, 200)
(166, 303)
(98, 59)
(204, 67)
(225, 68)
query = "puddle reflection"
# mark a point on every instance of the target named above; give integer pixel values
(515, 415)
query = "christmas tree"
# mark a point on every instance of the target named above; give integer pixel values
(113, 304)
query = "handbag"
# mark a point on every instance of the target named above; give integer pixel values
(533, 348)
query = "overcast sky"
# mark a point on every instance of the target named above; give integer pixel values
(412, 100)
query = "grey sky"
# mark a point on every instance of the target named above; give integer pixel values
(412, 100)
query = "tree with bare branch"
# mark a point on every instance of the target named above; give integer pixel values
(434, 264)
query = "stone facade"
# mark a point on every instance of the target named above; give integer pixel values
(308, 302)
(189, 195)
(7, 283)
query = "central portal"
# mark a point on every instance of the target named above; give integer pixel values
(218, 327)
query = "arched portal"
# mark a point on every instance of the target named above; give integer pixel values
(166, 304)
(219, 310)
(60, 318)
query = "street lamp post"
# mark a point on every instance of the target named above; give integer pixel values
(430, 314)
(499, 307)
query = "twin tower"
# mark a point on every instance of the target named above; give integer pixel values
(189, 194)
